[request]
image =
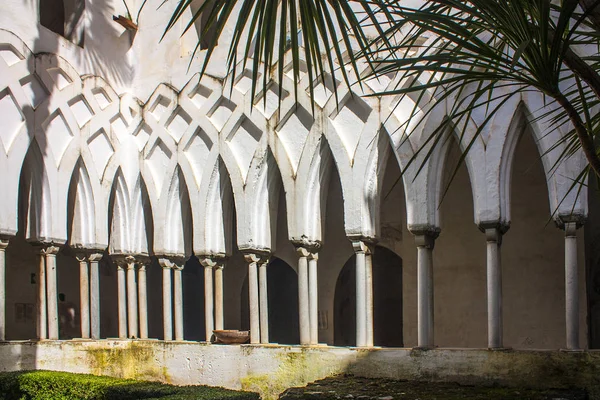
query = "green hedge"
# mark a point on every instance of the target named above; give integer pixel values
(50, 385)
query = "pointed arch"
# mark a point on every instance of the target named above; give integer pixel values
(513, 135)
(435, 177)
(371, 201)
(119, 215)
(560, 175)
(142, 234)
(35, 215)
(265, 203)
(81, 215)
(218, 224)
(312, 215)
(177, 235)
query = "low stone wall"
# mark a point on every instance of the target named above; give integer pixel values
(271, 369)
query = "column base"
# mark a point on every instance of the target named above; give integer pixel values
(424, 348)
(500, 348)
(571, 350)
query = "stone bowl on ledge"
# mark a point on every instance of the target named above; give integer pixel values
(230, 336)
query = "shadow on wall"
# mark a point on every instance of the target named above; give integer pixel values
(387, 301)
(71, 20)
(104, 44)
(107, 45)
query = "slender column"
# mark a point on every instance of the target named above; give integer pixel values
(493, 237)
(132, 303)
(178, 300)
(369, 294)
(209, 309)
(122, 299)
(303, 297)
(425, 242)
(42, 316)
(167, 305)
(361, 294)
(143, 299)
(95, 295)
(219, 316)
(253, 259)
(571, 286)
(84, 295)
(313, 298)
(3, 245)
(264, 301)
(52, 292)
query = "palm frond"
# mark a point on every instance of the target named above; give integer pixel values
(265, 30)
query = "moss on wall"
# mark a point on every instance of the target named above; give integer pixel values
(131, 361)
(296, 368)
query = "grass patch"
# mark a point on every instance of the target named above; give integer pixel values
(50, 385)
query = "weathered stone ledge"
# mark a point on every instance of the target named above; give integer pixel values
(272, 369)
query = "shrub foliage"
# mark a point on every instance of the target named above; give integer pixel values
(46, 385)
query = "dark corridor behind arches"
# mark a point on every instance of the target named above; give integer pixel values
(282, 291)
(387, 301)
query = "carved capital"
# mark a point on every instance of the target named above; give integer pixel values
(313, 256)
(501, 226)
(165, 263)
(212, 261)
(359, 246)
(178, 267)
(123, 260)
(571, 229)
(95, 257)
(91, 255)
(313, 246)
(256, 257)
(428, 230)
(493, 235)
(362, 244)
(307, 248)
(49, 250)
(174, 262)
(3, 243)
(143, 260)
(302, 252)
(426, 240)
(576, 219)
(130, 260)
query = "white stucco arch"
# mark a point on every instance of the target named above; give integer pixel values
(82, 218)
(36, 206)
(214, 234)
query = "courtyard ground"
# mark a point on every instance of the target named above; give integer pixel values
(349, 388)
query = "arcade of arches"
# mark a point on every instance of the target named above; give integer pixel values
(165, 205)
(102, 295)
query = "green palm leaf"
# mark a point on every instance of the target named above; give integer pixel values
(266, 30)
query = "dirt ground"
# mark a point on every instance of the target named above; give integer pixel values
(348, 388)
